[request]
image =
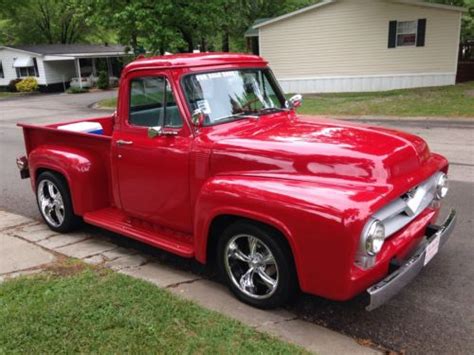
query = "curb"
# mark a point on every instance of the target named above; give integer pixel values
(99, 249)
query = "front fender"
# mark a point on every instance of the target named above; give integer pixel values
(306, 214)
(85, 173)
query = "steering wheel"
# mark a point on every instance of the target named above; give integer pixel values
(250, 102)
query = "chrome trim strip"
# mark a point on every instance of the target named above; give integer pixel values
(384, 290)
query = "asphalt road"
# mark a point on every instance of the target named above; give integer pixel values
(435, 314)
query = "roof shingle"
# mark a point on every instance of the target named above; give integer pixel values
(58, 49)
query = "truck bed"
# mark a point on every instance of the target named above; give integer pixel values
(106, 122)
(46, 141)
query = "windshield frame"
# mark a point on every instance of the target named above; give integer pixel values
(265, 69)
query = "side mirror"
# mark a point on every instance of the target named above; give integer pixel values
(198, 118)
(294, 101)
(155, 131)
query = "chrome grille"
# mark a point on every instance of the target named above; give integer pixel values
(407, 207)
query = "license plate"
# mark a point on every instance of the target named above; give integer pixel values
(431, 250)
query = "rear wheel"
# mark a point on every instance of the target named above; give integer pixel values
(256, 265)
(54, 202)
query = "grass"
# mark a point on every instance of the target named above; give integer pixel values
(5, 94)
(107, 103)
(448, 101)
(78, 309)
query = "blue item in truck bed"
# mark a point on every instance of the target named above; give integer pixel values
(83, 127)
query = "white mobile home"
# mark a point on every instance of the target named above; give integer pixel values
(56, 65)
(361, 45)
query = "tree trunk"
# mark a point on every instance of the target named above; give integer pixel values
(134, 41)
(225, 41)
(203, 45)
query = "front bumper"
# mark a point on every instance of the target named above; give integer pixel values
(382, 291)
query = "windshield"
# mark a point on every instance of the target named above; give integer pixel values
(233, 94)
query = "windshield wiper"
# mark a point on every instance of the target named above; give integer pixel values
(244, 115)
(269, 109)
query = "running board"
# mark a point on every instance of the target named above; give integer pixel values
(116, 221)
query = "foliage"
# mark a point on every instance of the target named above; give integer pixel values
(28, 84)
(77, 90)
(182, 25)
(152, 26)
(42, 21)
(103, 80)
(446, 101)
(102, 312)
(12, 85)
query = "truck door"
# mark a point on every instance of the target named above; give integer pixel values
(152, 173)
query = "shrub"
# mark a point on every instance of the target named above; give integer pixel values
(103, 81)
(76, 90)
(28, 84)
(12, 85)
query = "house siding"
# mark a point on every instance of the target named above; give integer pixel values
(343, 46)
(7, 58)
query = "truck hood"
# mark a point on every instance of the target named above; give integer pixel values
(311, 147)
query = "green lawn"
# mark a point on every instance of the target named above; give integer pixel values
(5, 94)
(108, 103)
(78, 309)
(449, 101)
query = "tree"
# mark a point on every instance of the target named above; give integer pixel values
(42, 21)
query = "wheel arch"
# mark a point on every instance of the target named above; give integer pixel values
(220, 221)
(84, 175)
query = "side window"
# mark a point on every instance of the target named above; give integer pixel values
(152, 103)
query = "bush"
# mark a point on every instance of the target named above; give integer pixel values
(12, 85)
(103, 81)
(28, 84)
(76, 90)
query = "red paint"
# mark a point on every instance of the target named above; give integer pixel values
(315, 180)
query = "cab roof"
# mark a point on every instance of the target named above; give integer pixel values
(194, 60)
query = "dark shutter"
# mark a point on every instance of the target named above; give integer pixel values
(392, 34)
(35, 63)
(420, 36)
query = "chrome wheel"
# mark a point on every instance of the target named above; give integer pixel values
(251, 266)
(51, 203)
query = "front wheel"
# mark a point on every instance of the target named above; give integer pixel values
(54, 202)
(257, 265)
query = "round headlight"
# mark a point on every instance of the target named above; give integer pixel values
(442, 186)
(375, 237)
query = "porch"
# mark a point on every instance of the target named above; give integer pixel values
(82, 72)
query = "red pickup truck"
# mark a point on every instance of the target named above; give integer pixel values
(205, 158)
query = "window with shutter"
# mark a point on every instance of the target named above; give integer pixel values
(406, 33)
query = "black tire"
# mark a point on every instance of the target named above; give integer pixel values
(287, 284)
(70, 221)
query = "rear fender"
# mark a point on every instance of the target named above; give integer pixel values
(85, 174)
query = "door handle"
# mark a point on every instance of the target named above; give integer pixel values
(122, 142)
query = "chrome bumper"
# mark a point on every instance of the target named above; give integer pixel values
(382, 291)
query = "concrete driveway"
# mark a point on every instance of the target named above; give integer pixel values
(434, 314)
